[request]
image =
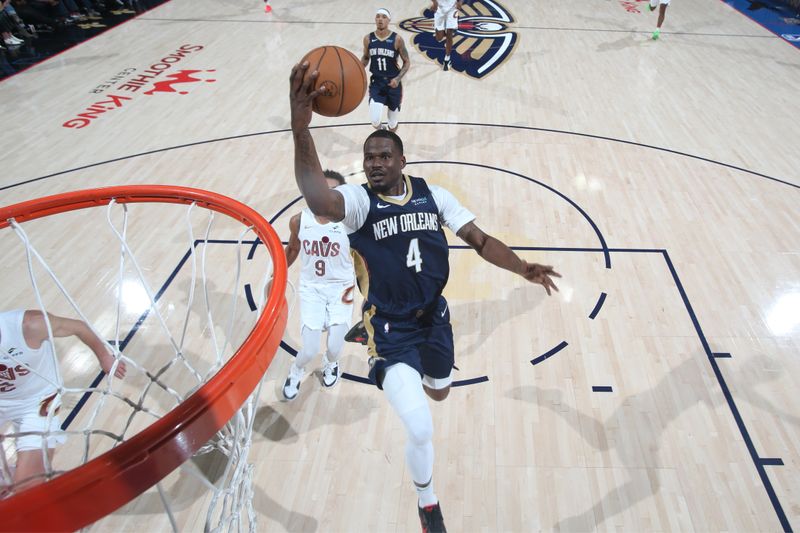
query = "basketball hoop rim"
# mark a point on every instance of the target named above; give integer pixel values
(82, 495)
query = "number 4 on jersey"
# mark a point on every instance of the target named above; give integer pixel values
(414, 258)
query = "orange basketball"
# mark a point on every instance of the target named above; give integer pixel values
(343, 76)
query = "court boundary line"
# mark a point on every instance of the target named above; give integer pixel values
(416, 123)
(759, 462)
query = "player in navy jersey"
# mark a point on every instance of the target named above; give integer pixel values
(395, 227)
(382, 50)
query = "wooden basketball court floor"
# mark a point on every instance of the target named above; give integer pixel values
(656, 391)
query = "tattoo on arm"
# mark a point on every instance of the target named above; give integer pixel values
(404, 56)
(365, 55)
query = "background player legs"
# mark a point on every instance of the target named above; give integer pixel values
(330, 367)
(662, 11)
(393, 119)
(375, 112)
(30, 468)
(310, 348)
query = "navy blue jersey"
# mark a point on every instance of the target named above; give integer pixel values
(383, 56)
(401, 252)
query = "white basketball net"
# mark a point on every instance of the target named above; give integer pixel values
(172, 349)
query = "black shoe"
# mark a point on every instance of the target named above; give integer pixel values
(357, 334)
(446, 65)
(431, 519)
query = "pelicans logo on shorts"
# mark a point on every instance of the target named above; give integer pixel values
(482, 42)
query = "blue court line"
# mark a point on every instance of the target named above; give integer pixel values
(272, 222)
(366, 381)
(358, 379)
(555, 191)
(602, 388)
(248, 293)
(472, 381)
(757, 461)
(550, 353)
(722, 355)
(598, 305)
(96, 381)
(423, 123)
(85, 396)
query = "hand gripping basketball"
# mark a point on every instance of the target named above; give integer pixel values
(341, 82)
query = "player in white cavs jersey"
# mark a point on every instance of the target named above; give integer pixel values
(326, 290)
(29, 383)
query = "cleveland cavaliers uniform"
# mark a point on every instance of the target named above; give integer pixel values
(326, 273)
(401, 261)
(383, 66)
(445, 16)
(28, 379)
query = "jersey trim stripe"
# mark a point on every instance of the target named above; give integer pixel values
(368, 314)
(405, 199)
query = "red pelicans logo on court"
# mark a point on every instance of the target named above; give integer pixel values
(482, 42)
(182, 76)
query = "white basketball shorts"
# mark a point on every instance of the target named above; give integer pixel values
(25, 418)
(323, 305)
(445, 20)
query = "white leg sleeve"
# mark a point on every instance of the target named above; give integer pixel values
(311, 341)
(393, 118)
(375, 112)
(403, 388)
(336, 335)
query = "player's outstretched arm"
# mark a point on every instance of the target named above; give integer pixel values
(497, 253)
(34, 328)
(322, 200)
(292, 249)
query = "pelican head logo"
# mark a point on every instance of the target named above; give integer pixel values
(481, 44)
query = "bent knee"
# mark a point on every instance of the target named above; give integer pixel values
(437, 394)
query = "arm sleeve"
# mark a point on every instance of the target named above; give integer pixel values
(451, 212)
(356, 206)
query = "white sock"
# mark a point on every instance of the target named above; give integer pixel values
(426, 495)
(447, 57)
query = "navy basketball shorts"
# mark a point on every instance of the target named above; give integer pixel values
(379, 91)
(424, 343)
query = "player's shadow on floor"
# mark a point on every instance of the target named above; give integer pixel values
(626, 41)
(185, 491)
(346, 409)
(190, 484)
(459, 136)
(496, 312)
(683, 389)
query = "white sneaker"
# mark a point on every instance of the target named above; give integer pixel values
(330, 373)
(292, 384)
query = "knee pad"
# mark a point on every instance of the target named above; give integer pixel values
(375, 112)
(393, 118)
